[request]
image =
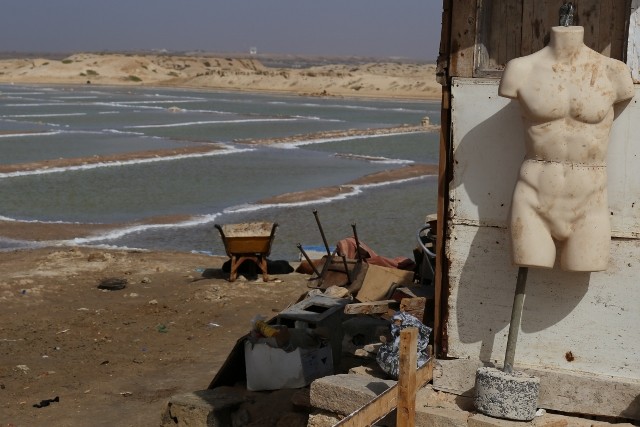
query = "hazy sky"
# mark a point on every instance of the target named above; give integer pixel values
(386, 28)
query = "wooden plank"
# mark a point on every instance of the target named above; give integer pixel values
(406, 412)
(621, 18)
(514, 31)
(378, 281)
(372, 307)
(445, 173)
(605, 30)
(414, 306)
(442, 64)
(527, 27)
(589, 18)
(385, 402)
(463, 30)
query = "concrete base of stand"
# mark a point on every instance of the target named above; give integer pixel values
(513, 396)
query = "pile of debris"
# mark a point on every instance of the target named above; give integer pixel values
(350, 318)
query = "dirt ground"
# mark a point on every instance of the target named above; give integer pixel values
(113, 358)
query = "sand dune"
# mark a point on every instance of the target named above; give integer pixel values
(375, 79)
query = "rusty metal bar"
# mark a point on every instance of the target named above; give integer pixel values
(324, 239)
(355, 236)
(304, 253)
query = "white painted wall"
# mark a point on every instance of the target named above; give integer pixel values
(596, 316)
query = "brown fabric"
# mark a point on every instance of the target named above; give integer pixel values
(347, 247)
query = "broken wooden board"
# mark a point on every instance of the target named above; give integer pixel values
(414, 307)
(378, 281)
(372, 307)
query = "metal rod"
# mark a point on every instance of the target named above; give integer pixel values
(346, 269)
(516, 317)
(324, 239)
(567, 13)
(308, 260)
(355, 236)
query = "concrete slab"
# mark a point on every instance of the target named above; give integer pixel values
(342, 394)
(561, 391)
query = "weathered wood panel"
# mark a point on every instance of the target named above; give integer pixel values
(463, 29)
(511, 28)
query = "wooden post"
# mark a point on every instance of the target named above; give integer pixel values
(406, 412)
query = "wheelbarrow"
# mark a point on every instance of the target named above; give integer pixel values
(247, 241)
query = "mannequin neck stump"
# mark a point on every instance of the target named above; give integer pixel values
(566, 42)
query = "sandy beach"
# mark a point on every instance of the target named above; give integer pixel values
(114, 358)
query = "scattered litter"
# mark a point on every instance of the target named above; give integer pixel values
(23, 368)
(44, 356)
(162, 328)
(145, 280)
(540, 412)
(153, 302)
(106, 362)
(57, 348)
(83, 309)
(213, 325)
(64, 331)
(125, 393)
(132, 295)
(46, 402)
(277, 356)
(112, 284)
(388, 356)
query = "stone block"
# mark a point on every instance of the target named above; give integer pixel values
(431, 416)
(322, 419)
(510, 395)
(210, 408)
(342, 394)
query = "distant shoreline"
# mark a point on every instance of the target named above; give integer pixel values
(359, 80)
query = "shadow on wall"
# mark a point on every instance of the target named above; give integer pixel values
(484, 177)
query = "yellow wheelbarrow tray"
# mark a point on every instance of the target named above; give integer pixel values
(248, 241)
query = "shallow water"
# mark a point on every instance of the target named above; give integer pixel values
(222, 187)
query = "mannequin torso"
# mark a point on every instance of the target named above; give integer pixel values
(566, 92)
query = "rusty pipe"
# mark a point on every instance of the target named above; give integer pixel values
(355, 236)
(324, 239)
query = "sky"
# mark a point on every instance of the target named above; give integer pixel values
(379, 28)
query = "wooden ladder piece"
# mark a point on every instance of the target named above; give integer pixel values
(401, 395)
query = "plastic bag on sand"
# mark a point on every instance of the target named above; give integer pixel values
(389, 353)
